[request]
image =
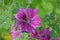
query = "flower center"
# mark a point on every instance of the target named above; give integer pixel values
(28, 21)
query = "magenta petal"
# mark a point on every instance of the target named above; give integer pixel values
(22, 10)
(15, 33)
(35, 12)
(22, 25)
(27, 27)
(30, 13)
(47, 32)
(43, 38)
(30, 29)
(35, 34)
(18, 23)
(32, 36)
(21, 15)
(36, 22)
(41, 35)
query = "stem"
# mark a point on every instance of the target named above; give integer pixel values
(28, 6)
(22, 38)
(11, 6)
(3, 4)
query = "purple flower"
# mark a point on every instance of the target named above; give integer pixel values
(35, 34)
(15, 33)
(41, 35)
(28, 19)
(45, 34)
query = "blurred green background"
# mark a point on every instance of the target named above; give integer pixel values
(49, 11)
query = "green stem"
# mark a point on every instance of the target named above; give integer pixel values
(28, 6)
(22, 38)
(3, 4)
(11, 6)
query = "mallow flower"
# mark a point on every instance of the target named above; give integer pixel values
(41, 35)
(16, 32)
(28, 19)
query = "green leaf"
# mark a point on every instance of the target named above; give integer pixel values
(25, 36)
(18, 38)
(34, 39)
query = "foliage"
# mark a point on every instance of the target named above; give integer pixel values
(53, 21)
